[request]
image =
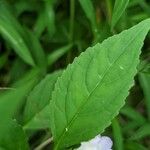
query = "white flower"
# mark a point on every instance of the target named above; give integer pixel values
(98, 143)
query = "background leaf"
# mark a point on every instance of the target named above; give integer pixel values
(145, 83)
(36, 50)
(41, 120)
(142, 132)
(134, 145)
(119, 8)
(90, 13)
(9, 28)
(132, 114)
(39, 98)
(14, 97)
(12, 136)
(118, 138)
(54, 56)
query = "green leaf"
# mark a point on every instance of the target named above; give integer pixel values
(56, 54)
(10, 100)
(18, 70)
(90, 13)
(10, 31)
(145, 6)
(134, 146)
(142, 132)
(40, 24)
(145, 84)
(21, 6)
(95, 86)
(37, 102)
(119, 8)
(3, 60)
(46, 19)
(12, 136)
(133, 114)
(36, 49)
(117, 133)
(21, 38)
(31, 75)
(130, 126)
(50, 17)
(41, 120)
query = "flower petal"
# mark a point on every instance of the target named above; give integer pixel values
(97, 143)
(106, 143)
(96, 140)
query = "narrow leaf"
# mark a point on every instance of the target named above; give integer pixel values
(142, 132)
(90, 13)
(145, 84)
(134, 146)
(36, 49)
(50, 17)
(119, 8)
(117, 133)
(95, 86)
(54, 56)
(41, 120)
(9, 30)
(130, 126)
(37, 101)
(10, 100)
(12, 136)
(40, 24)
(133, 114)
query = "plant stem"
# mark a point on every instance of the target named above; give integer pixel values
(71, 27)
(6, 88)
(45, 143)
(72, 15)
(109, 10)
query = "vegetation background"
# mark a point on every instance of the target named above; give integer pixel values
(38, 37)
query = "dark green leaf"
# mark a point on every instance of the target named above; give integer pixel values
(119, 8)
(12, 136)
(142, 132)
(133, 114)
(145, 84)
(117, 133)
(9, 30)
(10, 100)
(37, 101)
(88, 8)
(54, 56)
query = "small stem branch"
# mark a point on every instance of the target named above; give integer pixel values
(45, 143)
(6, 88)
